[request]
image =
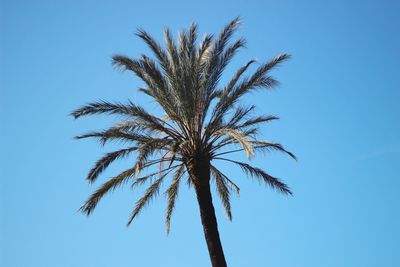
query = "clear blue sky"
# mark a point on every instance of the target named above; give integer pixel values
(339, 108)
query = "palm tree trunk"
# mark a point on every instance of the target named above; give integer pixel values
(201, 173)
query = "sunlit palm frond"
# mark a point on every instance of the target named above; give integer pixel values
(239, 137)
(203, 49)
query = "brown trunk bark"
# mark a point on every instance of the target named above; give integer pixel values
(201, 173)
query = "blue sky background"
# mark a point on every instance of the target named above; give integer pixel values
(339, 108)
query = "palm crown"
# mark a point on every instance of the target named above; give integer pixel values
(203, 120)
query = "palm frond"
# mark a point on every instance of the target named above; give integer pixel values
(122, 136)
(216, 144)
(142, 180)
(111, 184)
(203, 48)
(101, 107)
(157, 50)
(115, 135)
(172, 193)
(147, 70)
(128, 109)
(218, 66)
(218, 111)
(258, 173)
(172, 51)
(223, 190)
(235, 78)
(218, 56)
(225, 35)
(105, 161)
(259, 79)
(150, 193)
(144, 68)
(239, 137)
(256, 120)
(240, 114)
(146, 150)
(260, 145)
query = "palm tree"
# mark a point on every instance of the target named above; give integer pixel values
(203, 123)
